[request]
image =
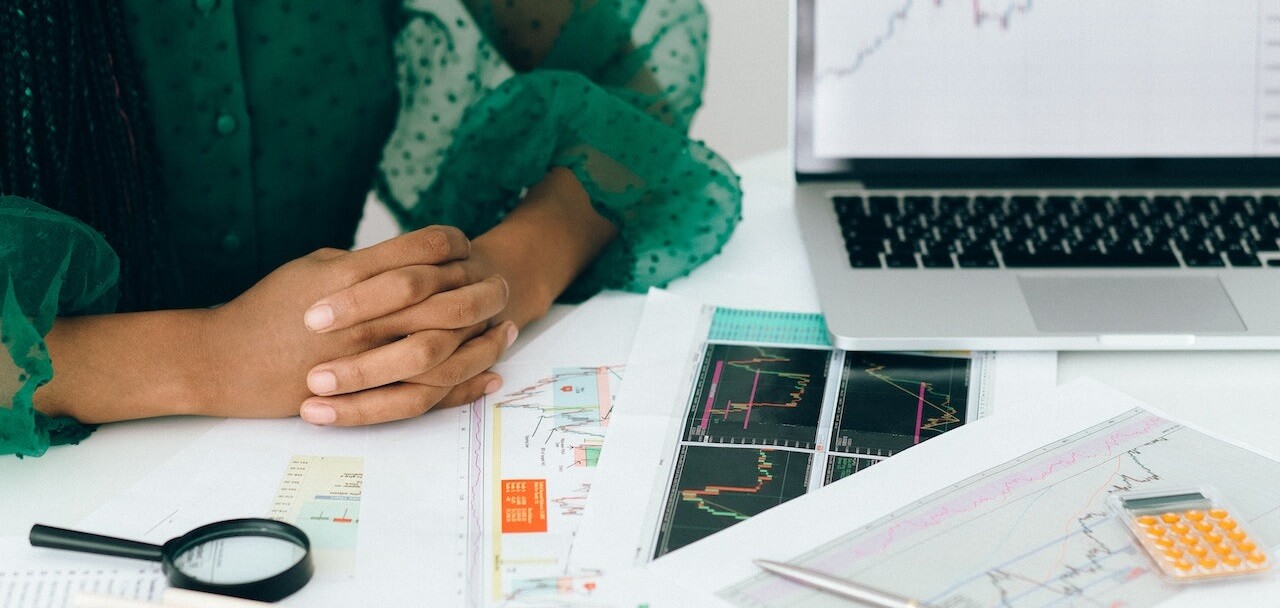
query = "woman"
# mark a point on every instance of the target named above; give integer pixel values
(532, 150)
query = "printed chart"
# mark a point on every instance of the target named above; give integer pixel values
(890, 402)
(768, 422)
(321, 495)
(1037, 531)
(759, 395)
(716, 488)
(541, 445)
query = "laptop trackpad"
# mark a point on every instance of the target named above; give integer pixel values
(1130, 305)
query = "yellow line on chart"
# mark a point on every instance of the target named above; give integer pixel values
(522, 562)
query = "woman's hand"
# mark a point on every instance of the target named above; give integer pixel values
(440, 330)
(390, 331)
(447, 323)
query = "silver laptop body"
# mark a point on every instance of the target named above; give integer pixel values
(971, 221)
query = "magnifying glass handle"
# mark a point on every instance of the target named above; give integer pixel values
(72, 540)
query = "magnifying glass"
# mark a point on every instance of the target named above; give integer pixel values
(257, 559)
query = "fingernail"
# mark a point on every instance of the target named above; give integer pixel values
(319, 413)
(322, 382)
(512, 332)
(493, 386)
(319, 317)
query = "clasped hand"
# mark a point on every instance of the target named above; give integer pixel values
(373, 335)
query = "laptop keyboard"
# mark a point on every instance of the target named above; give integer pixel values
(1030, 231)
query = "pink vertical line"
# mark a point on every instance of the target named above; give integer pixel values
(920, 412)
(751, 400)
(711, 396)
(977, 13)
(606, 398)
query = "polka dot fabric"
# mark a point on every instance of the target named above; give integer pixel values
(78, 275)
(616, 86)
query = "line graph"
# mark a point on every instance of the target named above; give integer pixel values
(1036, 531)
(900, 17)
(758, 395)
(581, 399)
(890, 402)
(716, 487)
(1036, 78)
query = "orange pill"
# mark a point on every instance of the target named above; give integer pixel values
(1189, 539)
(1164, 541)
(1231, 560)
(1147, 520)
(1173, 553)
(1218, 513)
(1154, 531)
(1193, 515)
(1247, 545)
(1197, 550)
(1236, 535)
(1213, 538)
(1228, 524)
(1256, 557)
(1204, 526)
(1169, 518)
(1208, 563)
(1222, 549)
(1180, 528)
(1183, 564)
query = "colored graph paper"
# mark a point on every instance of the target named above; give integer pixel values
(1037, 531)
(768, 327)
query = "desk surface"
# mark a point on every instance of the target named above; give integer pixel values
(763, 266)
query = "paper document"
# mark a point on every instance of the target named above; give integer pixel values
(48, 579)
(1010, 511)
(738, 411)
(533, 461)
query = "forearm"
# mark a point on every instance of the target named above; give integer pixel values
(125, 366)
(544, 243)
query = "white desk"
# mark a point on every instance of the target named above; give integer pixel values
(763, 266)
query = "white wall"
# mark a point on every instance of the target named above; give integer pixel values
(745, 106)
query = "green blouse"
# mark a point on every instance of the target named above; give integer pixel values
(275, 118)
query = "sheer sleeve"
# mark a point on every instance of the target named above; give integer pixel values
(606, 88)
(50, 264)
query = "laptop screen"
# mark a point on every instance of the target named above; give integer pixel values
(1132, 87)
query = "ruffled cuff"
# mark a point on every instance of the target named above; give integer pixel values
(50, 264)
(674, 201)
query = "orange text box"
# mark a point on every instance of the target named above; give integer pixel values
(524, 505)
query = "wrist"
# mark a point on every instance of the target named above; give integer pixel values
(124, 366)
(531, 291)
(544, 243)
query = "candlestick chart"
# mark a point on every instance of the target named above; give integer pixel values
(889, 402)
(716, 487)
(758, 395)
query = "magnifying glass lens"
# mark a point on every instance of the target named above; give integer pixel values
(233, 560)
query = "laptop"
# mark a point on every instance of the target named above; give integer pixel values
(1031, 175)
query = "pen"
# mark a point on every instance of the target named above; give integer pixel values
(839, 586)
